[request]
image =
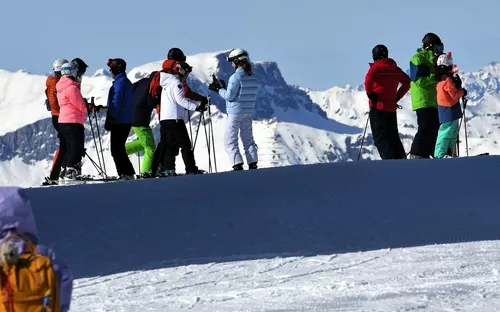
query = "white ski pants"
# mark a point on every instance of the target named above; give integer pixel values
(242, 125)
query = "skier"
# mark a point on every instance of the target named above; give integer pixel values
(174, 55)
(51, 94)
(173, 130)
(16, 218)
(72, 115)
(81, 68)
(381, 85)
(423, 96)
(449, 91)
(120, 116)
(143, 108)
(240, 96)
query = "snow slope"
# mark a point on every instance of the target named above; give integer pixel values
(347, 236)
(292, 125)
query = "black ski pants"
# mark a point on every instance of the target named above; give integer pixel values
(174, 136)
(428, 126)
(385, 132)
(119, 135)
(74, 135)
(58, 161)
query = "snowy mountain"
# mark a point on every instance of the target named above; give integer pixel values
(292, 125)
(323, 237)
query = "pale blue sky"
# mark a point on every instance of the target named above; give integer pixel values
(316, 43)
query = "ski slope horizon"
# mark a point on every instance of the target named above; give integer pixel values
(345, 236)
(292, 125)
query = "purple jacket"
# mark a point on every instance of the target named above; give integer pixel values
(16, 216)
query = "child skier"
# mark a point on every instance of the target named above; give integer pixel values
(240, 96)
(120, 116)
(173, 129)
(381, 85)
(18, 223)
(449, 91)
(72, 113)
(51, 94)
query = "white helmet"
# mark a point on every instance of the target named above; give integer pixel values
(69, 69)
(56, 66)
(238, 55)
(445, 60)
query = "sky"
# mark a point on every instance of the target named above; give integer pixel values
(317, 44)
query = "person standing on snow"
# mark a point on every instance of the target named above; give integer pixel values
(16, 218)
(381, 85)
(143, 108)
(240, 96)
(173, 129)
(423, 96)
(449, 92)
(119, 116)
(51, 94)
(174, 55)
(72, 113)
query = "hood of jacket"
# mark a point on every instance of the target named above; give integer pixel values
(15, 211)
(166, 78)
(66, 82)
(386, 62)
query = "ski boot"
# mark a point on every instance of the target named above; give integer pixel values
(252, 166)
(238, 167)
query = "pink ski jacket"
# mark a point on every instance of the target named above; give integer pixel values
(71, 103)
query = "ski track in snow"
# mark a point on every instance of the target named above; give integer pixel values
(455, 277)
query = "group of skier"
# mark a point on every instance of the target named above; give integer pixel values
(436, 91)
(130, 107)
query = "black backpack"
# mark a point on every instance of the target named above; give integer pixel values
(143, 102)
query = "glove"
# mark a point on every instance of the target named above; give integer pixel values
(223, 84)
(215, 85)
(465, 91)
(203, 106)
(108, 123)
(457, 81)
(373, 96)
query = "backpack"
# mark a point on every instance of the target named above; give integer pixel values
(27, 281)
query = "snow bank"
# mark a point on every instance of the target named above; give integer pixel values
(296, 210)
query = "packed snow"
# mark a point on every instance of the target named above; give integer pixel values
(347, 236)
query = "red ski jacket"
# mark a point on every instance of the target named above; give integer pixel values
(383, 78)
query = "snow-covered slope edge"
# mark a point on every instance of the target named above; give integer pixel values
(292, 125)
(295, 210)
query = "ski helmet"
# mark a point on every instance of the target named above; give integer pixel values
(379, 52)
(238, 55)
(69, 69)
(56, 66)
(80, 65)
(176, 54)
(117, 65)
(431, 40)
(445, 60)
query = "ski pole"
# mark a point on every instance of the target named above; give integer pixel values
(190, 129)
(100, 141)
(89, 109)
(211, 129)
(464, 101)
(364, 133)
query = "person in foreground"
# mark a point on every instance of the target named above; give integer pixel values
(381, 85)
(240, 96)
(47, 280)
(449, 91)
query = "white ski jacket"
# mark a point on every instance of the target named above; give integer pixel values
(173, 101)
